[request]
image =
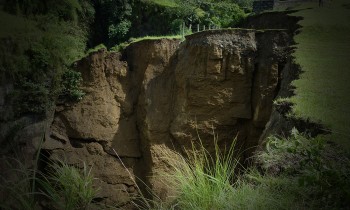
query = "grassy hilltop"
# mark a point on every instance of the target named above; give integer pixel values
(323, 50)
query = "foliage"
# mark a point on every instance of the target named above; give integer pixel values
(30, 97)
(207, 12)
(35, 51)
(246, 5)
(76, 11)
(225, 14)
(292, 154)
(67, 187)
(297, 172)
(256, 191)
(322, 171)
(71, 81)
(17, 183)
(202, 181)
(119, 31)
(112, 21)
(165, 3)
(118, 20)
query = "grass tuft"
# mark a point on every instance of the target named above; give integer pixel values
(202, 180)
(67, 187)
(64, 187)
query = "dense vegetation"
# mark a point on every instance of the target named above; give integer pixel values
(41, 39)
(117, 21)
(298, 172)
(38, 44)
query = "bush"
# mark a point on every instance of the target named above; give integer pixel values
(227, 14)
(71, 81)
(297, 172)
(35, 51)
(118, 32)
(322, 169)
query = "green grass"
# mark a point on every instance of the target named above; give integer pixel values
(68, 187)
(255, 191)
(201, 181)
(133, 40)
(17, 183)
(165, 3)
(323, 49)
(298, 172)
(65, 187)
(95, 49)
(318, 172)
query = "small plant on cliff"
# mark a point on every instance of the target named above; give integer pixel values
(71, 81)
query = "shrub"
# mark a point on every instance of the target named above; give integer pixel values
(322, 169)
(35, 55)
(118, 32)
(298, 172)
(71, 81)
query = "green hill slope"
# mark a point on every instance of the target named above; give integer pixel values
(323, 51)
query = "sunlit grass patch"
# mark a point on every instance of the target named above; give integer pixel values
(123, 45)
(165, 3)
(323, 50)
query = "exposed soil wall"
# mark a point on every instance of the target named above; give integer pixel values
(160, 95)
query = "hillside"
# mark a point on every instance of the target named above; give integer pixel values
(323, 48)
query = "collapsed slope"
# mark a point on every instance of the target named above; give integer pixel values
(158, 95)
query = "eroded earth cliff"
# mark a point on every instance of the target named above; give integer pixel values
(162, 95)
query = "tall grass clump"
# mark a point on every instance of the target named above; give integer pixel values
(202, 180)
(63, 188)
(67, 187)
(17, 183)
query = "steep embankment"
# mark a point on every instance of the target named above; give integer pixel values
(158, 95)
